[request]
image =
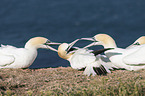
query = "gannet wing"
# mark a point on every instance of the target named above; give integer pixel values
(6, 60)
(106, 62)
(7, 46)
(136, 58)
(96, 52)
(81, 58)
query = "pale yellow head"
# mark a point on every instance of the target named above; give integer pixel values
(64, 48)
(101, 39)
(140, 41)
(62, 51)
(36, 42)
(40, 42)
(105, 40)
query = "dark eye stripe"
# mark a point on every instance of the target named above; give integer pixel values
(47, 41)
(137, 43)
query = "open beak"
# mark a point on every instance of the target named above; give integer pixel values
(53, 49)
(71, 44)
(53, 43)
(92, 44)
(50, 44)
(90, 39)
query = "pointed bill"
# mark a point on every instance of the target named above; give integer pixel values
(71, 44)
(92, 44)
(53, 49)
(89, 39)
(52, 43)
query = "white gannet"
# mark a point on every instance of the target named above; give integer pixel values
(129, 58)
(80, 58)
(139, 41)
(12, 57)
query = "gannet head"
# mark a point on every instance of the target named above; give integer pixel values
(140, 41)
(64, 48)
(101, 39)
(40, 42)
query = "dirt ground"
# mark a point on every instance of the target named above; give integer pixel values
(67, 81)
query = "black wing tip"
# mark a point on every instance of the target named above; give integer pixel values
(100, 70)
(96, 52)
(82, 69)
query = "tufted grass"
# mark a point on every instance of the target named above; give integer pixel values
(69, 82)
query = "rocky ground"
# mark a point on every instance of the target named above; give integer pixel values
(65, 81)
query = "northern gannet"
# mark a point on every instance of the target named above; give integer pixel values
(139, 41)
(12, 57)
(129, 58)
(80, 58)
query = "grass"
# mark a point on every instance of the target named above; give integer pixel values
(69, 82)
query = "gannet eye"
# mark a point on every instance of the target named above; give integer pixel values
(47, 42)
(137, 43)
(94, 39)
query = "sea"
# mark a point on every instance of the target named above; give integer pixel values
(67, 20)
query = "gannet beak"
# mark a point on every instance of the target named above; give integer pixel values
(89, 39)
(48, 44)
(71, 44)
(92, 44)
(52, 43)
(53, 49)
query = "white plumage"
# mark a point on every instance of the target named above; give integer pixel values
(131, 58)
(104, 60)
(139, 41)
(12, 57)
(80, 58)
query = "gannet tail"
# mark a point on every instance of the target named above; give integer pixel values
(89, 70)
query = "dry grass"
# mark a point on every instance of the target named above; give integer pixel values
(70, 82)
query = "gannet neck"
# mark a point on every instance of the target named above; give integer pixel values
(105, 40)
(140, 40)
(36, 42)
(62, 51)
